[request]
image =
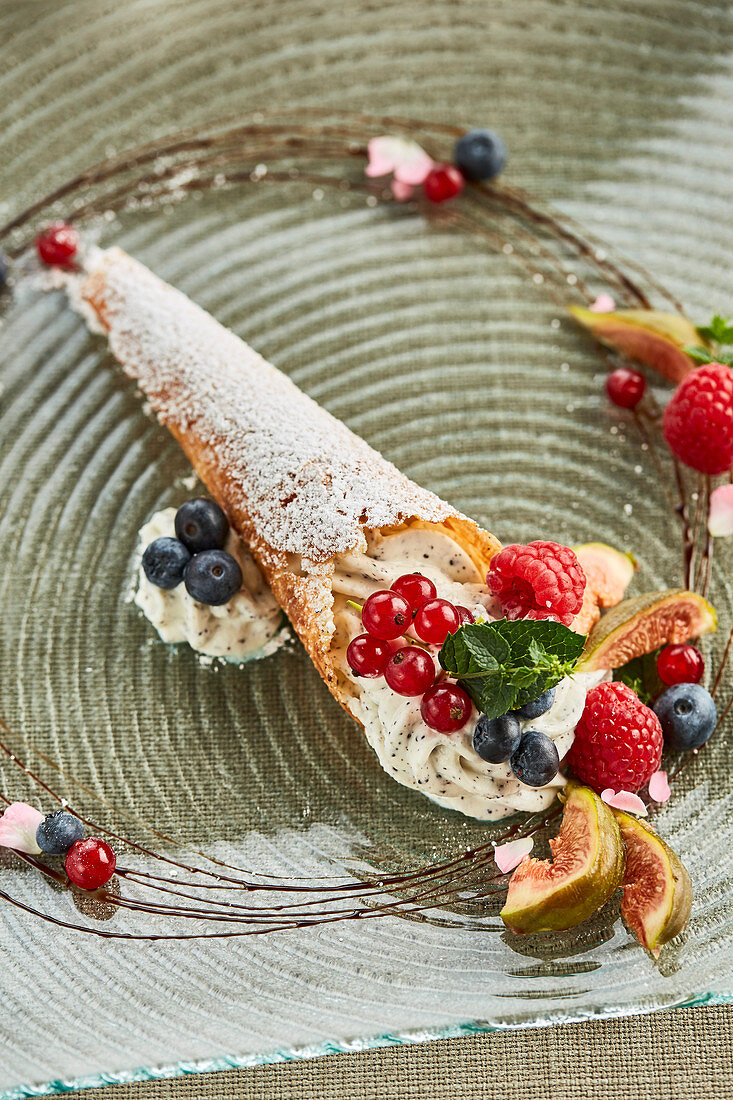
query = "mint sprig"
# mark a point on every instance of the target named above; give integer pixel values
(718, 332)
(505, 664)
(704, 355)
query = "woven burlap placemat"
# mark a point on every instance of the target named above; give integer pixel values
(684, 1053)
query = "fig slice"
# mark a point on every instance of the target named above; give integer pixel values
(644, 623)
(646, 335)
(657, 889)
(608, 571)
(586, 868)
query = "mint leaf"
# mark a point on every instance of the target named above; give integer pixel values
(699, 354)
(702, 355)
(641, 675)
(720, 330)
(504, 664)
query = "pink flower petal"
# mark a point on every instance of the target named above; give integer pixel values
(381, 156)
(624, 800)
(409, 162)
(18, 828)
(720, 517)
(510, 855)
(659, 787)
(401, 191)
(604, 303)
(414, 170)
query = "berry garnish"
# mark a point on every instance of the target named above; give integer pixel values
(164, 562)
(698, 421)
(90, 863)
(540, 580)
(386, 615)
(445, 707)
(480, 155)
(625, 387)
(618, 740)
(538, 706)
(58, 832)
(201, 525)
(464, 614)
(443, 182)
(680, 664)
(496, 739)
(367, 656)
(58, 244)
(436, 620)
(410, 671)
(688, 716)
(213, 577)
(416, 589)
(536, 761)
(3, 271)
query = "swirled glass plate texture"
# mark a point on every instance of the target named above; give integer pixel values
(433, 342)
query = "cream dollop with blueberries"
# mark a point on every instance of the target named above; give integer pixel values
(198, 583)
(394, 605)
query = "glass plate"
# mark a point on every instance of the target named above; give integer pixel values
(452, 360)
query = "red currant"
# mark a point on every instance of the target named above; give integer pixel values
(58, 244)
(410, 671)
(90, 863)
(442, 182)
(625, 387)
(445, 707)
(436, 620)
(464, 614)
(386, 615)
(680, 664)
(367, 656)
(416, 589)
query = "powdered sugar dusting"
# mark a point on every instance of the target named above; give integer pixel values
(309, 484)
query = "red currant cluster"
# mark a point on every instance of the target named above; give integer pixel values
(407, 666)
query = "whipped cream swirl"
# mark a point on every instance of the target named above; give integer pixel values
(250, 625)
(445, 767)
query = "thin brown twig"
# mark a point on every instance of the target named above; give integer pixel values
(723, 663)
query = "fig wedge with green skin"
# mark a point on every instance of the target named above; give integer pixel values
(608, 571)
(644, 623)
(586, 868)
(645, 335)
(657, 889)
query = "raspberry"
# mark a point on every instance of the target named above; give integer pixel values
(698, 421)
(540, 581)
(618, 741)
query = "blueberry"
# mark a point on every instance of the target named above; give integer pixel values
(201, 525)
(688, 715)
(213, 577)
(539, 706)
(3, 271)
(164, 562)
(536, 761)
(58, 832)
(480, 155)
(495, 739)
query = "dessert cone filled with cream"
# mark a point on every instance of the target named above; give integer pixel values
(328, 520)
